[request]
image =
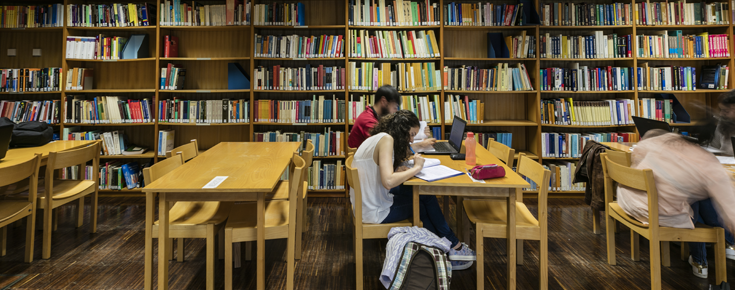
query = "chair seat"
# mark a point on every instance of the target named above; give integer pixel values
(199, 213)
(281, 192)
(243, 220)
(483, 211)
(65, 188)
(12, 208)
(619, 210)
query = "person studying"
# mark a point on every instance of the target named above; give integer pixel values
(380, 164)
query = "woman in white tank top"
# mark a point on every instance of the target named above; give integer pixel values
(384, 200)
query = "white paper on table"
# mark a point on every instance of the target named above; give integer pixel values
(726, 159)
(712, 150)
(437, 172)
(421, 135)
(428, 162)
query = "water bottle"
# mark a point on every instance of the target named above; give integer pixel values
(469, 144)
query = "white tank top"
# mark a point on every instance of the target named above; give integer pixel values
(376, 200)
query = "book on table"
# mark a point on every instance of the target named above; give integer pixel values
(433, 170)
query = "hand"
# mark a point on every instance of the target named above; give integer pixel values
(418, 161)
(401, 168)
(427, 132)
(427, 143)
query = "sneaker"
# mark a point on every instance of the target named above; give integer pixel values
(697, 269)
(461, 265)
(730, 252)
(463, 254)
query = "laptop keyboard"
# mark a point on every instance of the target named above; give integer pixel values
(443, 147)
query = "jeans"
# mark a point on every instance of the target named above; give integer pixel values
(705, 213)
(429, 211)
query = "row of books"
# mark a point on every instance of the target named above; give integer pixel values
(328, 143)
(204, 111)
(296, 46)
(571, 145)
(50, 15)
(17, 80)
(483, 138)
(518, 46)
(403, 76)
(586, 14)
(682, 13)
(177, 13)
(661, 110)
(326, 176)
(669, 78)
(587, 113)
(300, 78)
(426, 108)
(472, 111)
(25, 111)
(356, 107)
(393, 44)
(502, 77)
(562, 176)
(673, 44)
(113, 142)
(397, 13)
(597, 45)
(118, 175)
(166, 141)
(483, 14)
(280, 14)
(79, 78)
(317, 110)
(586, 79)
(110, 15)
(95, 47)
(173, 77)
(106, 110)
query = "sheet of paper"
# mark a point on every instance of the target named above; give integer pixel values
(437, 172)
(712, 150)
(726, 159)
(473, 179)
(216, 181)
(420, 136)
(428, 162)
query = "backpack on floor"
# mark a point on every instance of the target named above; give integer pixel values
(421, 268)
(723, 286)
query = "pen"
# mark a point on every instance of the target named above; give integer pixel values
(409, 147)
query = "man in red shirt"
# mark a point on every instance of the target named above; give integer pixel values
(387, 100)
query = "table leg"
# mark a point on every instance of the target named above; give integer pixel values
(416, 209)
(261, 242)
(150, 201)
(162, 238)
(463, 226)
(511, 239)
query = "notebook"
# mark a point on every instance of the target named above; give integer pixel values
(433, 170)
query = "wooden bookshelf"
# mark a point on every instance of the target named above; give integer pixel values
(205, 52)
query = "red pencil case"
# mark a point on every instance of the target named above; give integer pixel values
(487, 171)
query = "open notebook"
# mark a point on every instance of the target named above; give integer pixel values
(433, 170)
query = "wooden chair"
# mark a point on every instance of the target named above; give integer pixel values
(351, 151)
(503, 152)
(12, 210)
(619, 157)
(490, 217)
(364, 231)
(189, 150)
(280, 223)
(58, 192)
(187, 220)
(643, 180)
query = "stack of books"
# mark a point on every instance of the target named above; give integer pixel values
(369, 76)
(682, 13)
(111, 15)
(95, 47)
(483, 14)
(106, 110)
(587, 79)
(587, 113)
(597, 45)
(297, 46)
(300, 78)
(586, 14)
(118, 175)
(15, 80)
(472, 111)
(25, 111)
(571, 145)
(326, 176)
(328, 143)
(203, 111)
(317, 110)
(393, 44)
(176, 13)
(397, 13)
(500, 78)
(674, 44)
(50, 15)
(285, 14)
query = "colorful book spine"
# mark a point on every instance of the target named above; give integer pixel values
(586, 14)
(587, 113)
(586, 79)
(393, 44)
(396, 13)
(501, 77)
(300, 78)
(594, 46)
(296, 46)
(50, 15)
(319, 109)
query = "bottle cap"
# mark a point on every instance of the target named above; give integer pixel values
(470, 135)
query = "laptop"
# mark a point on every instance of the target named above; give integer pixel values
(643, 125)
(455, 139)
(5, 134)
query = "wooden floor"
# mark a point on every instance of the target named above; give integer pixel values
(113, 258)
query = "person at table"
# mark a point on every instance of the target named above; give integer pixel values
(692, 187)
(726, 125)
(384, 200)
(386, 101)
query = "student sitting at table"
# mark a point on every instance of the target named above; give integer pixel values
(692, 187)
(384, 200)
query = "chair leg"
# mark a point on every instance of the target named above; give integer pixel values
(180, 249)
(228, 259)
(4, 242)
(30, 237)
(80, 212)
(635, 246)
(610, 238)
(248, 251)
(596, 222)
(148, 263)
(210, 255)
(170, 249)
(95, 197)
(47, 227)
(684, 251)
(544, 261)
(358, 261)
(299, 232)
(665, 254)
(55, 220)
(221, 243)
(655, 263)
(720, 262)
(480, 261)
(304, 218)
(236, 255)
(519, 252)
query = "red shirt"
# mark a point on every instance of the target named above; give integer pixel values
(361, 130)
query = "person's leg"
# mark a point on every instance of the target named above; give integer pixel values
(697, 250)
(402, 207)
(433, 219)
(708, 216)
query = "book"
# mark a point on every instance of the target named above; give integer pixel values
(472, 111)
(111, 15)
(682, 13)
(165, 141)
(79, 78)
(519, 46)
(393, 44)
(571, 145)
(173, 77)
(675, 44)
(320, 109)
(327, 143)
(370, 76)
(714, 77)
(134, 150)
(82, 109)
(490, 14)
(325, 176)
(203, 112)
(426, 108)
(578, 78)
(98, 47)
(306, 78)
(170, 46)
(25, 111)
(282, 14)
(396, 13)
(587, 14)
(595, 45)
(297, 46)
(501, 77)
(563, 111)
(194, 13)
(433, 171)
(16, 80)
(32, 16)
(680, 78)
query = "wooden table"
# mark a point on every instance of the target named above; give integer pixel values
(462, 186)
(15, 156)
(252, 170)
(619, 146)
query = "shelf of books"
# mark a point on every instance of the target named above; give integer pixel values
(540, 76)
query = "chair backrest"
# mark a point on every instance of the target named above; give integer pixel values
(162, 167)
(353, 180)
(351, 151)
(189, 150)
(540, 175)
(619, 157)
(641, 179)
(308, 153)
(23, 170)
(297, 178)
(504, 153)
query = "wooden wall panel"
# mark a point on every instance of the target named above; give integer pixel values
(235, 42)
(50, 43)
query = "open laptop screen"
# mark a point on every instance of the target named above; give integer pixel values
(455, 137)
